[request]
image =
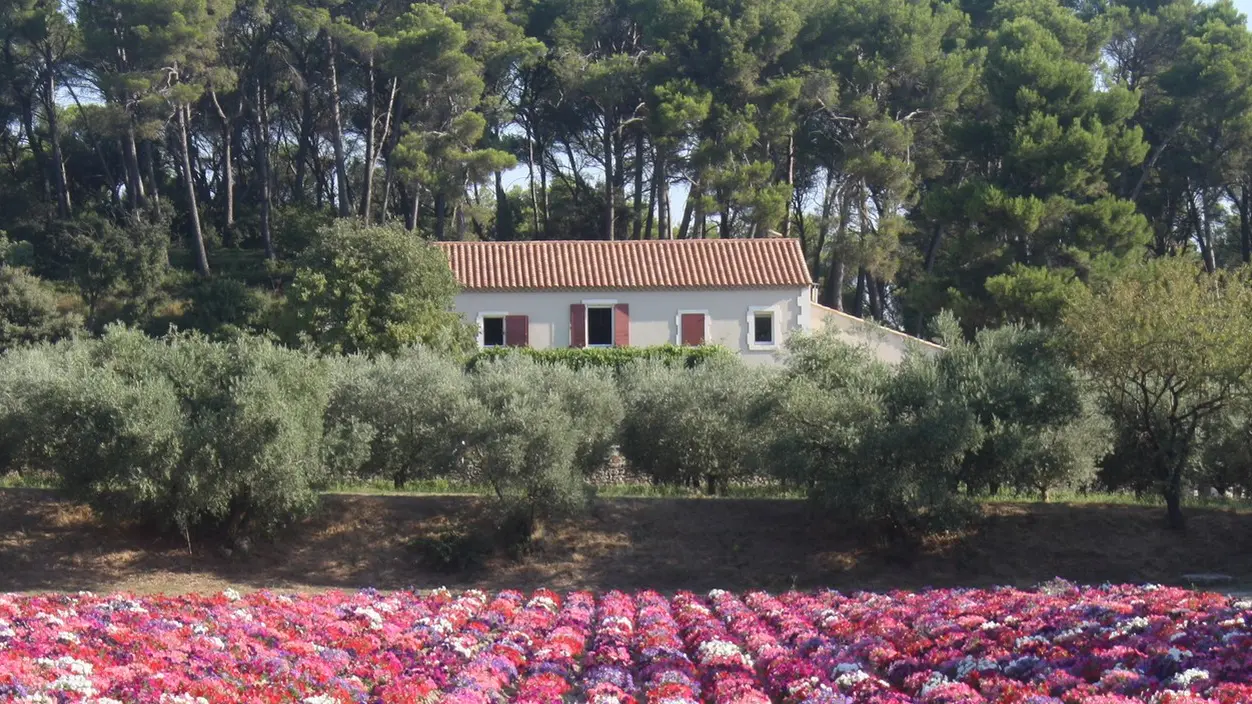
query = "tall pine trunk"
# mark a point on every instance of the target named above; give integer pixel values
(530, 179)
(134, 182)
(791, 183)
(638, 233)
(341, 166)
(263, 161)
(304, 146)
(193, 212)
(1244, 205)
(228, 170)
(609, 187)
(149, 160)
(59, 178)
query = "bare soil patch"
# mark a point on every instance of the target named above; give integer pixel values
(47, 543)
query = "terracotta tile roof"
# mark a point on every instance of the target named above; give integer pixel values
(630, 264)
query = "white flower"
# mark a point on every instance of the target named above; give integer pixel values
(73, 683)
(320, 699)
(1132, 625)
(936, 680)
(989, 625)
(375, 618)
(167, 698)
(720, 649)
(1177, 654)
(542, 602)
(850, 678)
(102, 700)
(1188, 677)
(231, 594)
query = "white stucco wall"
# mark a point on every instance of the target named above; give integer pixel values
(653, 314)
(888, 344)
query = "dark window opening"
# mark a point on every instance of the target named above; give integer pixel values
(493, 332)
(763, 328)
(599, 326)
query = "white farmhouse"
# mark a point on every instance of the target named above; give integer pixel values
(744, 294)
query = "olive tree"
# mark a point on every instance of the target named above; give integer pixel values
(688, 426)
(540, 430)
(412, 410)
(1167, 346)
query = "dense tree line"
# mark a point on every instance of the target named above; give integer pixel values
(986, 157)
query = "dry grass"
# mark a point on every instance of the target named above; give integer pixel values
(49, 544)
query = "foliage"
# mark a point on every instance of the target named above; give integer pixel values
(1225, 457)
(612, 358)
(221, 306)
(1167, 347)
(127, 259)
(986, 158)
(1040, 430)
(540, 429)
(890, 449)
(413, 413)
(880, 449)
(364, 288)
(29, 311)
(687, 426)
(184, 434)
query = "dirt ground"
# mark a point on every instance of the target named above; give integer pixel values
(47, 543)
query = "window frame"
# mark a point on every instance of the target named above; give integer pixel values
(482, 331)
(599, 303)
(753, 312)
(678, 325)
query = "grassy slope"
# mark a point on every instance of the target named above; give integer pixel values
(362, 540)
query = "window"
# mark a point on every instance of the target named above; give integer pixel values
(761, 333)
(600, 326)
(493, 331)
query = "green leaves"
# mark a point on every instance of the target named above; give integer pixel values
(1167, 346)
(361, 288)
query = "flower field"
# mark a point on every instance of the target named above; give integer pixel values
(1093, 646)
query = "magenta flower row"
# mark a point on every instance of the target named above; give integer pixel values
(1107, 645)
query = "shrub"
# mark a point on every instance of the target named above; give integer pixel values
(612, 358)
(412, 412)
(366, 288)
(452, 550)
(1226, 454)
(891, 448)
(218, 305)
(687, 426)
(126, 259)
(876, 448)
(539, 430)
(29, 311)
(1040, 429)
(185, 434)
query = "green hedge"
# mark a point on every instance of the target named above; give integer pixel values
(614, 358)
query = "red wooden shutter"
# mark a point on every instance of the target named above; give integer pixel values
(577, 325)
(621, 325)
(692, 329)
(517, 330)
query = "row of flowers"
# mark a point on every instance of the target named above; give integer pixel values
(1107, 645)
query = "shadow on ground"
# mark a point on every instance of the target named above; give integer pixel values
(47, 543)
